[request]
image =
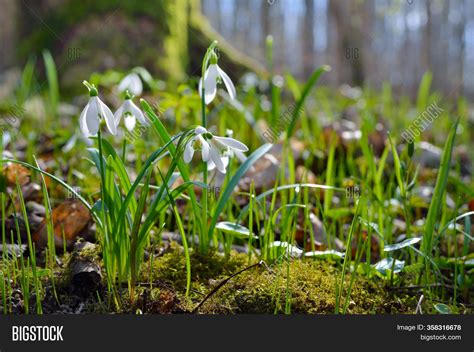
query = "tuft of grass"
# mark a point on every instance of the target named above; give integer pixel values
(437, 200)
(53, 85)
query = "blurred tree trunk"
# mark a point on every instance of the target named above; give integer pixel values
(201, 35)
(461, 33)
(8, 32)
(265, 20)
(444, 59)
(366, 33)
(308, 38)
(335, 52)
(219, 16)
(348, 23)
(426, 54)
(405, 52)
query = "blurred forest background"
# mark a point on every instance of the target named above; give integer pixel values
(364, 41)
(395, 40)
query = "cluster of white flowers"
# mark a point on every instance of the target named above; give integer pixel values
(96, 109)
(215, 150)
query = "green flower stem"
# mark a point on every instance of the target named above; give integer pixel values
(124, 149)
(204, 241)
(102, 182)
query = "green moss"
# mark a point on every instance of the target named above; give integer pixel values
(296, 287)
(311, 287)
(171, 267)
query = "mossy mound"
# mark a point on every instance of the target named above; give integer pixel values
(294, 286)
(171, 268)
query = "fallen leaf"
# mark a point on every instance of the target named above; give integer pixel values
(70, 219)
(14, 172)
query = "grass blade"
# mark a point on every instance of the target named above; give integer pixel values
(313, 79)
(233, 182)
(52, 76)
(437, 200)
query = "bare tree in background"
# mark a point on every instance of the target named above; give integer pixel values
(426, 52)
(8, 32)
(308, 38)
(265, 21)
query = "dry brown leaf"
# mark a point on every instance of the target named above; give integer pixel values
(12, 172)
(70, 219)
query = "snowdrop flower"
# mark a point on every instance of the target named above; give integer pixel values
(94, 111)
(213, 75)
(131, 82)
(214, 149)
(130, 112)
(227, 156)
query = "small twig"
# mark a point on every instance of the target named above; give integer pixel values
(416, 287)
(223, 282)
(418, 306)
(157, 283)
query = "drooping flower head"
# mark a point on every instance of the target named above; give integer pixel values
(130, 112)
(214, 149)
(212, 76)
(131, 82)
(227, 156)
(93, 112)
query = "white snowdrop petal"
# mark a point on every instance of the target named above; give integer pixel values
(232, 143)
(124, 83)
(240, 156)
(228, 83)
(188, 152)
(204, 148)
(210, 84)
(127, 106)
(83, 122)
(106, 113)
(138, 114)
(199, 130)
(225, 160)
(118, 114)
(136, 86)
(92, 117)
(130, 122)
(216, 158)
(200, 87)
(210, 165)
(133, 83)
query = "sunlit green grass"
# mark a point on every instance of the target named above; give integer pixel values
(133, 195)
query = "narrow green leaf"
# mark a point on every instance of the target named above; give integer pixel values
(160, 129)
(135, 248)
(437, 200)
(403, 244)
(328, 254)
(442, 308)
(121, 172)
(261, 196)
(313, 79)
(52, 76)
(234, 229)
(387, 264)
(26, 80)
(288, 248)
(233, 183)
(424, 92)
(398, 167)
